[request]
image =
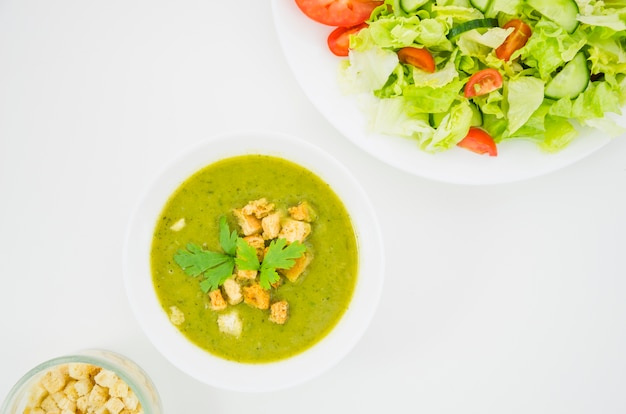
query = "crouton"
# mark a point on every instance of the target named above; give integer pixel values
(257, 297)
(78, 370)
(98, 396)
(106, 378)
(258, 208)
(249, 224)
(37, 394)
(82, 404)
(294, 230)
(70, 390)
(246, 274)
(177, 317)
(131, 402)
(232, 290)
(119, 389)
(114, 405)
(83, 386)
(64, 403)
(179, 225)
(301, 263)
(217, 300)
(279, 312)
(230, 323)
(55, 379)
(303, 212)
(258, 242)
(271, 226)
(49, 405)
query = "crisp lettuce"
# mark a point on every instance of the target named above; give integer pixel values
(431, 108)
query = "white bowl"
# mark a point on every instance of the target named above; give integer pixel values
(201, 364)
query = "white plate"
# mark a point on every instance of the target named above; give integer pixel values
(315, 68)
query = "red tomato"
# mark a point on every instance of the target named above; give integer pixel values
(515, 40)
(339, 39)
(420, 58)
(483, 82)
(342, 13)
(480, 142)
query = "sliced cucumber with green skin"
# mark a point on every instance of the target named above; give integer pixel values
(562, 12)
(481, 5)
(571, 81)
(471, 25)
(409, 6)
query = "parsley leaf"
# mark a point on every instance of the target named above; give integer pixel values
(279, 255)
(217, 267)
(228, 239)
(246, 258)
(195, 261)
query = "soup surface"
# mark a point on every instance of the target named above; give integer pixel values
(317, 299)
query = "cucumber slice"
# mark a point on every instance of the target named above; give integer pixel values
(561, 12)
(472, 24)
(481, 5)
(571, 80)
(409, 6)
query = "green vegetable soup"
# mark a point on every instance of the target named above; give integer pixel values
(317, 299)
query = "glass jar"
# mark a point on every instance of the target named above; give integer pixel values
(129, 372)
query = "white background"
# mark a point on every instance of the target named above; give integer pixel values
(498, 299)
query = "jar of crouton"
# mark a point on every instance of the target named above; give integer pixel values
(89, 381)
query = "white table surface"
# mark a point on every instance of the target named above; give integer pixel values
(498, 299)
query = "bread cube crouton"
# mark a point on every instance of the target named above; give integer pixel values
(179, 225)
(246, 274)
(271, 226)
(300, 265)
(217, 300)
(177, 317)
(36, 410)
(37, 394)
(83, 387)
(232, 290)
(119, 389)
(230, 323)
(70, 391)
(106, 378)
(49, 405)
(279, 312)
(294, 230)
(82, 404)
(79, 370)
(249, 224)
(303, 212)
(64, 403)
(257, 297)
(55, 379)
(131, 402)
(258, 242)
(114, 405)
(98, 396)
(258, 208)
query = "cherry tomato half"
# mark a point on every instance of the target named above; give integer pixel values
(483, 82)
(342, 13)
(418, 57)
(339, 39)
(479, 141)
(515, 40)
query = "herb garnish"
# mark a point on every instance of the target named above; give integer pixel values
(217, 267)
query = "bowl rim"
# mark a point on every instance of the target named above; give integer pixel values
(258, 377)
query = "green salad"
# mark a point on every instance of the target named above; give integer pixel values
(475, 73)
